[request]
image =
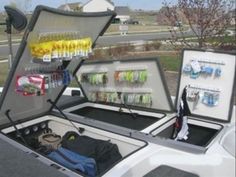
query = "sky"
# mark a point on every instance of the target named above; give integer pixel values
(133, 4)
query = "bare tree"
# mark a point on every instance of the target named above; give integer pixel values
(207, 19)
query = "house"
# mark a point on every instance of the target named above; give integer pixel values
(71, 6)
(232, 16)
(123, 13)
(98, 6)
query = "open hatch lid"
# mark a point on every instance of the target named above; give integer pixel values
(209, 77)
(47, 24)
(131, 83)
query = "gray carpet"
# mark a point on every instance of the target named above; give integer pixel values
(166, 171)
(135, 122)
(16, 163)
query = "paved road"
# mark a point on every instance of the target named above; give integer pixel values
(112, 40)
(4, 50)
(108, 40)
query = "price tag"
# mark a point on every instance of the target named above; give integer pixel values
(47, 58)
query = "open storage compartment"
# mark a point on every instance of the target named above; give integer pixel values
(201, 133)
(54, 46)
(129, 93)
(123, 119)
(209, 79)
(31, 130)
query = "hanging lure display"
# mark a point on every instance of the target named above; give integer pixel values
(30, 85)
(108, 97)
(138, 99)
(193, 95)
(58, 50)
(39, 84)
(139, 76)
(208, 97)
(42, 69)
(94, 78)
(202, 68)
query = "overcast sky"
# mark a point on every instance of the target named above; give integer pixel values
(133, 4)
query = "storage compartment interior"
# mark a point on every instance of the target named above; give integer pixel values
(130, 120)
(200, 133)
(31, 130)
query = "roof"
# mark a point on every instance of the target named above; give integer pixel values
(122, 10)
(70, 6)
(109, 1)
(65, 7)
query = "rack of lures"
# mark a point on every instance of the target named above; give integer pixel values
(131, 82)
(204, 76)
(133, 79)
(50, 54)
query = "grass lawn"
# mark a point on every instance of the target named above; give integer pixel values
(170, 63)
(227, 39)
(3, 73)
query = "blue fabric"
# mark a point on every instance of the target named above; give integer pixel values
(74, 161)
